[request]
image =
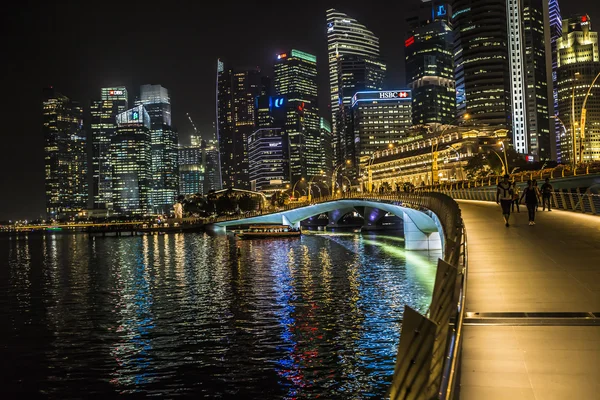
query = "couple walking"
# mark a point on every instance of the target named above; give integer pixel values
(507, 195)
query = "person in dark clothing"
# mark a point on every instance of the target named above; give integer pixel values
(516, 193)
(547, 190)
(504, 196)
(531, 195)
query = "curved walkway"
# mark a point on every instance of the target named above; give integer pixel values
(552, 267)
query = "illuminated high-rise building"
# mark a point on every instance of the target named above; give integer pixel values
(103, 113)
(131, 159)
(269, 164)
(191, 168)
(65, 155)
(380, 119)
(164, 141)
(501, 69)
(354, 65)
(327, 146)
(555, 20)
(236, 94)
(295, 84)
(430, 64)
(578, 66)
(538, 79)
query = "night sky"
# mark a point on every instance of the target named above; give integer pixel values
(79, 47)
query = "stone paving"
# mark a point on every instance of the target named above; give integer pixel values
(553, 266)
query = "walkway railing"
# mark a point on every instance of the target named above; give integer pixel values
(576, 201)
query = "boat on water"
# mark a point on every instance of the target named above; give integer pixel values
(268, 231)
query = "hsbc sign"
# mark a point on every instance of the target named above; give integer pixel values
(394, 95)
(386, 95)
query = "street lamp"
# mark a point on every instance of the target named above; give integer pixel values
(583, 119)
(335, 172)
(294, 188)
(310, 184)
(572, 136)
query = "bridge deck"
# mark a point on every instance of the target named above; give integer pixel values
(551, 267)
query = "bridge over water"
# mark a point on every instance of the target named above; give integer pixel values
(527, 327)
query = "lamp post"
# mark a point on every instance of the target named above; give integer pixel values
(572, 135)
(434, 146)
(503, 165)
(335, 172)
(583, 119)
(294, 188)
(310, 184)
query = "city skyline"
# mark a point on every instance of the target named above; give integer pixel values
(91, 69)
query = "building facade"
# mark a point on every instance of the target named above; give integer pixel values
(164, 141)
(65, 155)
(355, 65)
(236, 94)
(538, 79)
(103, 114)
(481, 61)
(578, 67)
(430, 64)
(191, 169)
(380, 120)
(131, 159)
(269, 164)
(413, 161)
(555, 23)
(327, 146)
(295, 86)
(501, 69)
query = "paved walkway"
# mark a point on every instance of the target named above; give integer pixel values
(553, 266)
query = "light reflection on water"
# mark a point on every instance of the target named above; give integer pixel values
(209, 316)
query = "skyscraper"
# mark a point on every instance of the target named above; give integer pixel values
(500, 63)
(481, 61)
(269, 164)
(164, 140)
(131, 159)
(212, 176)
(538, 78)
(380, 119)
(327, 146)
(236, 93)
(113, 101)
(65, 155)
(578, 66)
(295, 78)
(191, 169)
(354, 65)
(555, 21)
(430, 64)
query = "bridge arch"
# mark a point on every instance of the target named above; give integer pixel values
(420, 229)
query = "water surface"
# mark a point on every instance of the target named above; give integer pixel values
(191, 314)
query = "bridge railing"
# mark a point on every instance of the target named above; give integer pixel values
(588, 203)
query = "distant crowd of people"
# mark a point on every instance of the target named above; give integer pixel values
(509, 196)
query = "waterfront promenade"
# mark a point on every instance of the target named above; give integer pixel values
(533, 306)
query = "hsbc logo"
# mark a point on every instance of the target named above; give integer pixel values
(393, 95)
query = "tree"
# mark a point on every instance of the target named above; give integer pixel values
(246, 203)
(476, 166)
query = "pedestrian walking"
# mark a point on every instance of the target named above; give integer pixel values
(531, 195)
(547, 190)
(538, 190)
(516, 193)
(504, 197)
